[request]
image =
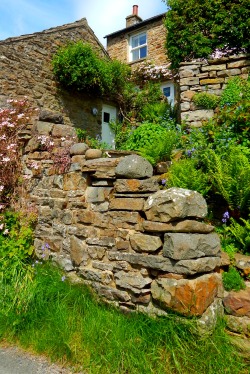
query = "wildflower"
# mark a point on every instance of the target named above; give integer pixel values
(163, 182)
(6, 231)
(63, 278)
(225, 217)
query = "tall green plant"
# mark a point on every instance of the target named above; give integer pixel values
(230, 176)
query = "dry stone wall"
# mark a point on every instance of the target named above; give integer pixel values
(107, 221)
(211, 76)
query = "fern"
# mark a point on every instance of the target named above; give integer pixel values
(230, 176)
(240, 233)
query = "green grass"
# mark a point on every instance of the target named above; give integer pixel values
(64, 321)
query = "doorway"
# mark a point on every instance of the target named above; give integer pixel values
(108, 115)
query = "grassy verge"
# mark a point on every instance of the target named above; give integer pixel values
(43, 312)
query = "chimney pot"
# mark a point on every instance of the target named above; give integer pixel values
(135, 10)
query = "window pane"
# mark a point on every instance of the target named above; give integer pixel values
(143, 39)
(135, 55)
(143, 52)
(106, 117)
(166, 91)
(135, 41)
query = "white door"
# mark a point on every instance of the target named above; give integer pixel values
(108, 115)
(168, 91)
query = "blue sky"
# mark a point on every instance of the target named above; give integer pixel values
(19, 17)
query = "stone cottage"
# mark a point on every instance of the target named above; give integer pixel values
(26, 70)
(143, 41)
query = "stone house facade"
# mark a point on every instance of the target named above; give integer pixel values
(143, 41)
(26, 70)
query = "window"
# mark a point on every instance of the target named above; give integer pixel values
(138, 46)
(168, 91)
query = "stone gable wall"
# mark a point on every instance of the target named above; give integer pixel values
(25, 70)
(107, 222)
(211, 76)
(118, 46)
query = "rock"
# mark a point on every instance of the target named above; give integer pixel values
(186, 296)
(136, 185)
(97, 194)
(127, 204)
(104, 241)
(79, 149)
(238, 303)
(91, 154)
(110, 293)
(133, 280)
(134, 166)
(44, 128)
(175, 203)
(74, 181)
(198, 115)
(78, 252)
(207, 323)
(149, 261)
(145, 243)
(48, 116)
(199, 265)
(162, 167)
(240, 325)
(225, 259)
(93, 275)
(180, 246)
(182, 226)
(242, 262)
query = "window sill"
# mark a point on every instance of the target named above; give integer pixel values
(136, 61)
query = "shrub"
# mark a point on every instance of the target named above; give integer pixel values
(232, 280)
(78, 66)
(206, 100)
(237, 89)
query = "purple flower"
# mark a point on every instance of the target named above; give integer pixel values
(63, 278)
(163, 182)
(225, 217)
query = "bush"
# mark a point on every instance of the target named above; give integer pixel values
(232, 280)
(78, 66)
(206, 100)
(237, 89)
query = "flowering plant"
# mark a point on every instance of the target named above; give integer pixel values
(13, 119)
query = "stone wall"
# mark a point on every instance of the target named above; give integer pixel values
(211, 76)
(107, 221)
(118, 45)
(25, 70)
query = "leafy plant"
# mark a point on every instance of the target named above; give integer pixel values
(16, 242)
(232, 280)
(78, 66)
(240, 234)
(216, 25)
(237, 89)
(230, 177)
(206, 100)
(185, 174)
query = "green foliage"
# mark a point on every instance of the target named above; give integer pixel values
(96, 143)
(16, 242)
(232, 280)
(240, 234)
(81, 134)
(78, 66)
(152, 141)
(49, 315)
(196, 29)
(206, 100)
(185, 174)
(230, 177)
(237, 89)
(122, 132)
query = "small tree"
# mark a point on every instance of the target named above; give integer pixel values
(195, 29)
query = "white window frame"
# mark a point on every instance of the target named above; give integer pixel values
(171, 88)
(137, 48)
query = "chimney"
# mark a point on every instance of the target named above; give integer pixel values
(133, 19)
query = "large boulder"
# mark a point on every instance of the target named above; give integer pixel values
(186, 296)
(173, 204)
(134, 166)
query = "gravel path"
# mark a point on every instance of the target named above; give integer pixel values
(16, 361)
